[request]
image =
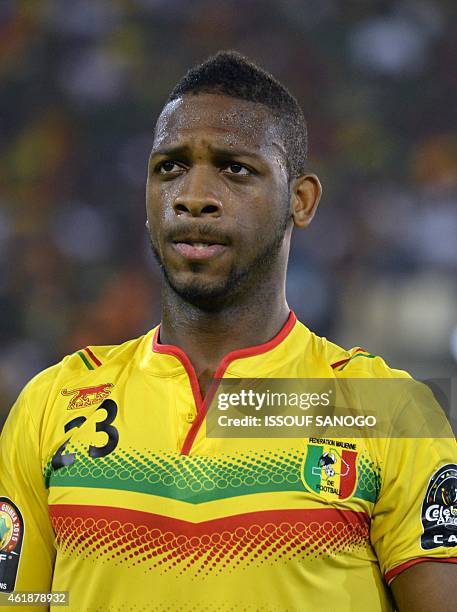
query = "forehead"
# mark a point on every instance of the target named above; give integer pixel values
(229, 121)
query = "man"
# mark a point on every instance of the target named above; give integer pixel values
(108, 480)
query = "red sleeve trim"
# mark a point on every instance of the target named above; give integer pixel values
(389, 576)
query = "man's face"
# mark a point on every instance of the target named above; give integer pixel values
(217, 197)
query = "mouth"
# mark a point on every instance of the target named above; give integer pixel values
(198, 249)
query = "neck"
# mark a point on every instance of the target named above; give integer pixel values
(206, 337)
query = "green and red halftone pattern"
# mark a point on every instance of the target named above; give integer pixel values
(197, 479)
(154, 541)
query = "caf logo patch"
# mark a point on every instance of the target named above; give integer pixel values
(87, 396)
(329, 470)
(439, 509)
(11, 536)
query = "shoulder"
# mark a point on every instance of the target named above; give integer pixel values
(88, 371)
(359, 362)
(350, 362)
(92, 358)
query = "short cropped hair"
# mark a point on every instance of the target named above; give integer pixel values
(232, 74)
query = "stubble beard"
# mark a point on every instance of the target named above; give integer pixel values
(215, 297)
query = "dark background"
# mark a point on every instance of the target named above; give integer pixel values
(82, 82)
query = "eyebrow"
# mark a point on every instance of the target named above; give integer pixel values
(217, 151)
(172, 150)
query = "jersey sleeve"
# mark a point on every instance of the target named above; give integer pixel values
(27, 539)
(415, 517)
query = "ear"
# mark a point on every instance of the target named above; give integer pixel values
(306, 193)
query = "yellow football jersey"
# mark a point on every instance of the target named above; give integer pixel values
(110, 489)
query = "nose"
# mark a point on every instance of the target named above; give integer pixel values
(196, 198)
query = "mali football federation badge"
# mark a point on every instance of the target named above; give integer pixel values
(330, 470)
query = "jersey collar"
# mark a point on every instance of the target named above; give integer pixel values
(237, 363)
(256, 361)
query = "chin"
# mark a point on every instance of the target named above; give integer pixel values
(207, 294)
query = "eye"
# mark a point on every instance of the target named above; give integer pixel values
(168, 166)
(236, 168)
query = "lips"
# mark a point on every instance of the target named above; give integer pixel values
(199, 250)
(199, 247)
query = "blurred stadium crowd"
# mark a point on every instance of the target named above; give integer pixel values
(82, 82)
